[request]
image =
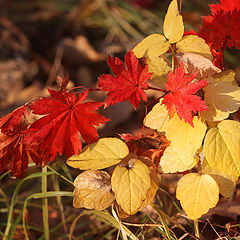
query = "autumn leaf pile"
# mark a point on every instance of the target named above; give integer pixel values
(189, 130)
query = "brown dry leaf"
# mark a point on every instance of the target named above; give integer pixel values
(93, 190)
(130, 183)
(198, 65)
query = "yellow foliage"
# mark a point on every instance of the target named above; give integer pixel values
(227, 76)
(226, 183)
(154, 183)
(222, 98)
(194, 44)
(130, 183)
(152, 46)
(104, 153)
(160, 68)
(173, 27)
(171, 162)
(222, 147)
(185, 139)
(93, 190)
(197, 194)
(157, 117)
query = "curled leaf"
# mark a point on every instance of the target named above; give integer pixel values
(93, 190)
(198, 65)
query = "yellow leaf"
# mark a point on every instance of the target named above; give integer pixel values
(197, 194)
(227, 76)
(152, 46)
(154, 183)
(121, 213)
(93, 190)
(185, 139)
(194, 44)
(222, 98)
(171, 162)
(157, 117)
(226, 183)
(173, 27)
(198, 65)
(104, 153)
(130, 183)
(222, 147)
(160, 69)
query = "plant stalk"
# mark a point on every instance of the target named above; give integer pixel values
(196, 229)
(45, 206)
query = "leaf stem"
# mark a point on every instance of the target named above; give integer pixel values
(89, 89)
(157, 89)
(45, 205)
(173, 47)
(196, 229)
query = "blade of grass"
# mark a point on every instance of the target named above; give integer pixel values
(74, 224)
(106, 217)
(4, 197)
(45, 206)
(4, 174)
(162, 219)
(14, 226)
(60, 175)
(59, 202)
(13, 200)
(39, 196)
(70, 218)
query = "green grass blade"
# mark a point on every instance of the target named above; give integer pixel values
(39, 196)
(45, 205)
(13, 201)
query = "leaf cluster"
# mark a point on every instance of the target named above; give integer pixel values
(191, 127)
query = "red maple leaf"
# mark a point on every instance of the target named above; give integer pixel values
(8, 122)
(222, 29)
(181, 98)
(65, 117)
(226, 5)
(15, 153)
(129, 82)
